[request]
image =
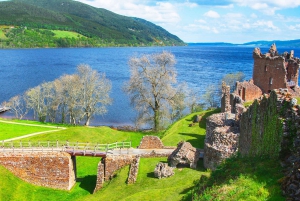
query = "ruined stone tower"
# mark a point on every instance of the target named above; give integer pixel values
(274, 71)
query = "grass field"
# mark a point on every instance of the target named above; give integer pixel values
(8, 130)
(2, 36)
(66, 34)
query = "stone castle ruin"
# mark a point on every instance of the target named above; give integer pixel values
(270, 71)
(226, 131)
(269, 127)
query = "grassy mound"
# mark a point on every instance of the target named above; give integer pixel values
(242, 179)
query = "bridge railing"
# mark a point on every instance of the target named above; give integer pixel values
(20, 146)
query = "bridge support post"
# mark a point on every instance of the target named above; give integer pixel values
(74, 166)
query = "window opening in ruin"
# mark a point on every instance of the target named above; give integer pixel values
(244, 94)
(271, 80)
(266, 68)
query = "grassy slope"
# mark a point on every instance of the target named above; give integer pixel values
(180, 131)
(244, 179)
(66, 34)
(2, 36)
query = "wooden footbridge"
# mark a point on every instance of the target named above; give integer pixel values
(73, 148)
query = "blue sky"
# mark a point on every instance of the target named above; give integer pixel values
(235, 21)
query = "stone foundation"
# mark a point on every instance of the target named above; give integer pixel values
(53, 170)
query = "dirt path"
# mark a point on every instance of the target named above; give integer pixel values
(31, 134)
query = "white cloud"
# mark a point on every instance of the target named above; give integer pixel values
(266, 25)
(295, 27)
(160, 12)
(212, 14)
(234, 15)
(253, 15)
(201, 21)
(268, 7)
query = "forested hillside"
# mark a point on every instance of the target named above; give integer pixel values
(30, 23)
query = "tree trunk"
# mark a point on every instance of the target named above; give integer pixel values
(156, 117)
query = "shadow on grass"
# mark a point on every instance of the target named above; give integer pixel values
(198, 140)
(88, 183)
(150, 175)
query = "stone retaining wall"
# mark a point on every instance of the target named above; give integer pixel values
(54, 170)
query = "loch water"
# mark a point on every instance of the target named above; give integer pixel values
(198, 66)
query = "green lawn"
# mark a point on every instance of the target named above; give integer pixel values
(242, 178)
(66, 34)
(2, 36)
(180, 131)
(101, 135)
(146, 188)
(8, 131)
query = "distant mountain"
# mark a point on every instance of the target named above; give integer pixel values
(211, 44)
(91, 22)
(279, 43)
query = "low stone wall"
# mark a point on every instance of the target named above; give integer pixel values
(151, 142)
(221, 139)
(134, 169)
(54, 170)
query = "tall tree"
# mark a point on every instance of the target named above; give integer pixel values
(151, 86)
(94, 92)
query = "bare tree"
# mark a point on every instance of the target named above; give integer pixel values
(211, 96)
(68, 89)
(17, 106)
(152, 85)
(36, 101)
(94, 92)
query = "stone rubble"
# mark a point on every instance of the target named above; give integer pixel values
(162, 170)
(186, 154)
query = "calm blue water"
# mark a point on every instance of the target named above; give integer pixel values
(199, 66)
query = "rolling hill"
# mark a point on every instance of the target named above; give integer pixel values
(96, 24)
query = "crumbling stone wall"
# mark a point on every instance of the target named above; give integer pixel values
(221, 139)
(151, 142)
(134, 169)
(114, 163)
(53, 170)
(247, 90)
(225, 100)
(261, 128)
